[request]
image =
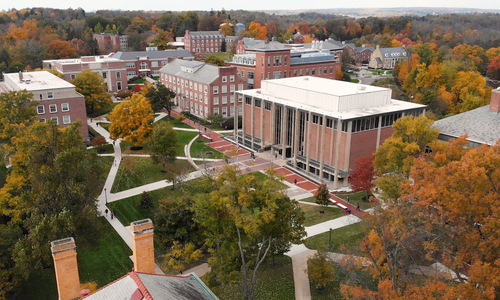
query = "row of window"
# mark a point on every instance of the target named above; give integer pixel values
(144, 64)
(52, 108)
(65, 119)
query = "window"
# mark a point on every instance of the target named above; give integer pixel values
(73, 76)
(224, 78)
(250, 75)
(43, 119)
(224, 111)
(329, 123)
(144, 65)
(294, 73)
(104, 75)
(240, 87)
(154, 64)
(248, 100)
(119, 85)
(50, 95)
(130, 65)
(258, 102)
(224, 100)
(64, 106)
(216, 100)
(53, 108)
(231, 78)
(224, 89)
(55, 119)
(131, 73)
(313, 72)
(40, 109)
(276, 75)
(231, 98)
(216, 89)
(231, 88)
(164, 63)
(66, 119)
(267, 105)
(216, 111)
(206, 89)
(231, 111)
(118, 74)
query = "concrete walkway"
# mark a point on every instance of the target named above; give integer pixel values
(299, 253)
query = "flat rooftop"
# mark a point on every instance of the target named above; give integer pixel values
(35, 81)
(334, 98)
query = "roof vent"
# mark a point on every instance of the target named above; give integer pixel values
(361, 87)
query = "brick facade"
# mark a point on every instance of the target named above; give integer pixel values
(143, 246)
(66, 268)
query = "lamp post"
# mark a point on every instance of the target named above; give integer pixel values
(330, 241)
(106, 196)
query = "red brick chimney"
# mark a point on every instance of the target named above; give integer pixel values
(142, 246)
(495, 101)
(66, 267)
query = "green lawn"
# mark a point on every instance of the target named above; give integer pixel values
(344, 240)
(137, 81)
(355, 80)
(183, 138)
(102, 111)
(354, 199)
(332, 289)
(201, 150)
(224, 55)
(273, 282)
(106, 149)
(137, 171)
(175, 122)
(313, 215)
(108, 261)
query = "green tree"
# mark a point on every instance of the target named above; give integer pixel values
(322, 196)
(146, 202)
(91, 85)
(242, 218)
(161, 39)
(163, 143)
(214, 60)
(320, 269)
(132, 120)
(17, 108)
(160, 96)
(394, 158)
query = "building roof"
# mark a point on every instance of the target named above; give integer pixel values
(334, 98)
(192, 70)
(480, 125)
(139, 286)
(205, 34)
(315, 57)
(263, 45)
(34, 81)
(325, 45)
(84, 59)
(394, 52)
(361, 49)
(153, 54)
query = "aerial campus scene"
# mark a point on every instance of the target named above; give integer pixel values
(249, 150)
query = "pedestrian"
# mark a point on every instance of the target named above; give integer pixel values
(348, 201)
(113, 142)
(276, 156)
(90, 120)
(349, 210)
(357, 206)
(205, 129)
(115, 162)
(112, 214)
(345, 210)
(295, 181)
(97, 124)
(106, 211)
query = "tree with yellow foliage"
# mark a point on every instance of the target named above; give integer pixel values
(132, 120)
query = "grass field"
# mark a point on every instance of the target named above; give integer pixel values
(273, 282)
(344, 240)
(175, 122)
(137, 171)
(102, 111)
(313, 215)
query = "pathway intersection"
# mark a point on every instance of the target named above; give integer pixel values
(242, 158)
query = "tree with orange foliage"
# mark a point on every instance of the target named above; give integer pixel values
(256, 30)
(494, 68)
(363, 176)
(60, 49)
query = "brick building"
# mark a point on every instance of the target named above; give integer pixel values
(321, 126)
(58, 100)
(203, 89)
(109, 42)
(386, 58)
(148, 63)
(203, 41)
(270, 62)
(112, 69)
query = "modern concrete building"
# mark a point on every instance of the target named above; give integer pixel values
(386, 58)
(272, 62)
(203, 89)
(203, 41)
(481, 125)
(320, 126)
(113, 70)
(57, 98)
(109, 42)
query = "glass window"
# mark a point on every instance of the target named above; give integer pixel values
(104, 75)
(66, 119)
(154, 64)
(65, 106)
(53, 108)
(224, 100)
(224, 89)
(224, 78)
(118, 74)
(40, 109)
(55, 119)
(50, 95)
(216, 100)
(216, 89)
(231, 78)
(73, 76)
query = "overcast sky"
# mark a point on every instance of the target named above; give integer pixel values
(92, 5)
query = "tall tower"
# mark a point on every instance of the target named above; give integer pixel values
(143, 246)
(66, 266)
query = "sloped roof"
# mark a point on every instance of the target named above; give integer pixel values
(326, 45)
(201, 72)
(205, 34)
(262, 45)
(137, 285)
(153, 54)
(361, 49)
(480, 124)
